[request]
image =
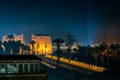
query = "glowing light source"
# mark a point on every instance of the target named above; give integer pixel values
(78, 64)
(43, 44)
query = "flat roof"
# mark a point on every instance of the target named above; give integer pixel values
(19, 57)
(41, 34)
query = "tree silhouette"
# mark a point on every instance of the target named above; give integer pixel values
(32, 43)
(18, 46)
(10, 37)
(12, 47)
(7, 47)
(58, 41)
(70, 41)
(9, 44)
(1, 49)
(25, 49)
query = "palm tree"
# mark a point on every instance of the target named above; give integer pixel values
(58, 41)
(70, 41)
(1, 49)
(103, 48)
(0, 42)
(7, 47)
(19, 47)
(25, 49)
(10, 37)
(9, 44)
(32, 43)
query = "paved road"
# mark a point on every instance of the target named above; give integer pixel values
(50, 63)
(66, 74)
(69, 72)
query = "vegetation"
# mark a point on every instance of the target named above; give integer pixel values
(32, 43)
(58, 41)
(104, 55)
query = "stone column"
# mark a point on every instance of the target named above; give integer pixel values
(17, 66)
(28, 67)
(23, 68)
(38, 67)
(33, 67)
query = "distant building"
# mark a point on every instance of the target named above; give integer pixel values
(43, 43)
(15, 38)
(21, 67)
(64, 47)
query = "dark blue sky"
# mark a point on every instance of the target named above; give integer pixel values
(85, 19)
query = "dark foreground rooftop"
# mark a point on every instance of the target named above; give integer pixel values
(19, 57)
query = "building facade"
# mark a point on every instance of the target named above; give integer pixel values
(21, 67)
(15, 38)
(43, 44)
(64, 47)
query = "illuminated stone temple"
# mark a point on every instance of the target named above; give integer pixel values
(43, 44)
(15, 38)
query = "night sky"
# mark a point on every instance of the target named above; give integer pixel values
(88, 20)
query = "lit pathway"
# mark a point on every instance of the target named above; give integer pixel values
(78, 64)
